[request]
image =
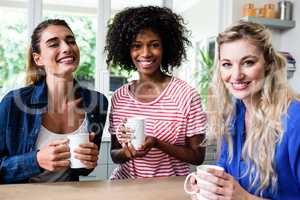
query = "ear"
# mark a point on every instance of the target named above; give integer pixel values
(37, 59)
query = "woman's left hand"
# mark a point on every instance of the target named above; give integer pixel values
(226, 187)
(149, 143)
(88, 153)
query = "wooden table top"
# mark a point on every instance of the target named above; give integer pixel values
(166, 188)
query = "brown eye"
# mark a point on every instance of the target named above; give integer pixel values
(135, 46)
(71, 41)
(53, 45)
(155, 45)
(226, 65)
(248, 63)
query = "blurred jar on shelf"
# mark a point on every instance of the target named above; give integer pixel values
(249, 10)
(270, 11)
(261, 12)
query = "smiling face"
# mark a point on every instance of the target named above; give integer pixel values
(146, 52)
(242, 68)
(59, 53)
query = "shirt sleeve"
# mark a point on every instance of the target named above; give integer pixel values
(196, 118)
(294, 149)
(223, 156)
(13, 168)
(112, 116)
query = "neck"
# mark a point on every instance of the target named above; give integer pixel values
(158, 77)
(60, 91)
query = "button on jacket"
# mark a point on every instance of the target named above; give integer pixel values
(20, 122)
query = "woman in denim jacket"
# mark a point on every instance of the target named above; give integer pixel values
(36, 120)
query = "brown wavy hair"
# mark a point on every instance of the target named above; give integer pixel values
(35, 73)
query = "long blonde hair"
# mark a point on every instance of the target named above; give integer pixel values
(274, 98)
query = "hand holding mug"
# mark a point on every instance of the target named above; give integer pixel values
(54, 156)
(195, 184)
(131, 152)
(84, 153)
(224, 185)
(88, 153)
(124, 134)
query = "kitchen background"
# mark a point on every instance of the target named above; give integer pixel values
(205, 18)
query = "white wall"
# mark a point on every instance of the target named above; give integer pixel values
(202, 20)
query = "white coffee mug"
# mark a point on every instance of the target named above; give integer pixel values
(74, 142)
(201, 169)
(137, 124)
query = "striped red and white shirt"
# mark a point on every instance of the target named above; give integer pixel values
(173, 116)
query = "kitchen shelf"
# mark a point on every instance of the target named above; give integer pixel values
(272, 23)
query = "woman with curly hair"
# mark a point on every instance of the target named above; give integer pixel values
(152, 41)
(255, 118)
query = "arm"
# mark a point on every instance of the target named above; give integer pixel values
(118, 154)
(18, 168)
(15, 166)
(192, 153)
(225, 187)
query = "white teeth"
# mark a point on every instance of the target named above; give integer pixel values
(66, 60)
(145, 62)
(239, 85)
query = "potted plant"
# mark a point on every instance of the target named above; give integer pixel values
(203, 74)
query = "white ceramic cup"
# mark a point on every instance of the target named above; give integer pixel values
(137, 124)
(74, 142)
(201, 169)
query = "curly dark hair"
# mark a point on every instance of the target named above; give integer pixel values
(128, 23)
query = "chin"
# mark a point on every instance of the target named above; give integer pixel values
(240, 96)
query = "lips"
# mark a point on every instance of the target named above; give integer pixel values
(145, 63)
(240, 85)
(66, 60)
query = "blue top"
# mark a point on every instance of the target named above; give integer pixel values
(20, 122)
(287, 154)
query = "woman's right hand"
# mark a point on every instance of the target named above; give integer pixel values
(193, 184)
(54, 156)
(124, 134)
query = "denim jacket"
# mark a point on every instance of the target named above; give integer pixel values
(20, 122)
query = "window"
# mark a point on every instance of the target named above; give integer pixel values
(13, 44)
(88, 22)
(82, 18)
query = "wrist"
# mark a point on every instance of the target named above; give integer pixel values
(156, 143)
(248, 196)
(38, 160)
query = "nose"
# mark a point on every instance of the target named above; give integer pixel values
(237, 73)
(146, 52)
(65, 47)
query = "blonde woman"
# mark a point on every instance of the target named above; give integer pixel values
(255, 119)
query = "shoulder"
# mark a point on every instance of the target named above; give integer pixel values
(121, 92)
(294, 107)
(293, 117)
(23, 94)
(183, 85)
(90, 95)
(184, 88)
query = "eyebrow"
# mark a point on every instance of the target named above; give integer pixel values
(56, 38)
(136, 41)
(249, 56)
(243, 58)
